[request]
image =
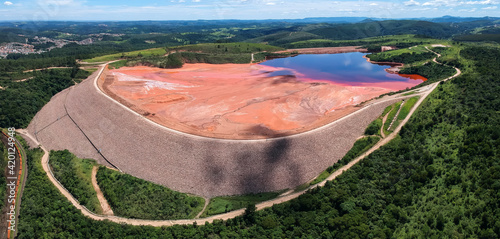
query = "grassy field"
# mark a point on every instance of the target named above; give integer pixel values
(76, 176)
(417, 55)
(220, 205)
(387, 110)
(118, 64)
(112, 57)
(409, 93)
(451, 56)
(390, 117)
(359, 147)
(132, 197)
(91, 70)
(405, 110)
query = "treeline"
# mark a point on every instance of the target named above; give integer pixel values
(3, 178)
(438, 179)
(371, 44)
(177, 60)
(479, 37)
(20, 101)
(132, 197)
(406, 58)
(20, 65)
(431, 70)
(231, 48)
(171, 61)
(193, 57)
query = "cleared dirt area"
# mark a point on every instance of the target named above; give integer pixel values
(187, 163)
(233, 101)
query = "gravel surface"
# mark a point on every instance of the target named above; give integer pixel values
(190, 164)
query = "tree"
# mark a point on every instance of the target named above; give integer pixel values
(250, 213)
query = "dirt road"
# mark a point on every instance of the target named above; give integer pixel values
(106, 209)
(235, 213)
(225, 216)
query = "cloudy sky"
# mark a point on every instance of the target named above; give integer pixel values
(238, 9)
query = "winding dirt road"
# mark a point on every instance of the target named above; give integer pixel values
(232, 214)
(106, 209)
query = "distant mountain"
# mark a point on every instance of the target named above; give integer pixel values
(453, 19)
(380, 28)
(330, 20)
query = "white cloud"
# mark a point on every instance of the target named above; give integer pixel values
(412, 3)
(58, 2)
(373, 4)
(439, 3)
(454, 3)
(468, 10)
(270, 3)
(490, 8)
(7, 3)
(485, 2)
(196, 0)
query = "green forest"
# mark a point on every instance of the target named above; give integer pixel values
(20, 101)
(405, 58)
(75, 175)
(132, 197)
(438, 179)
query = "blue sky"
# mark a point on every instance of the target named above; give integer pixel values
(29, 10)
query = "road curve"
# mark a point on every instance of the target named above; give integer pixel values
(95, 126)
(106, 209)
(229, 215)
(233, 214)
(225, 216)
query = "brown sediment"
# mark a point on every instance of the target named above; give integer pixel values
(233, 101)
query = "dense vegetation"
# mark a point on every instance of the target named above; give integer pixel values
(3, 179)
(479, 37)
(390, 27)
(220, 205)
(170, 61)
(136, 198)
(439, 179)
(375, 126)
(20, 65)
(75, 175)
(405, 58)
(175, 57)
(20, 101)
(230, 48)
(372, 43)
(431, 70)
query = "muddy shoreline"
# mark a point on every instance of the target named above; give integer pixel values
(395, 66)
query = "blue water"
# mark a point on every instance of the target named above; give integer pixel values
(345, 68)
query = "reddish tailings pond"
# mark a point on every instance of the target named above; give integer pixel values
(253, 101)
